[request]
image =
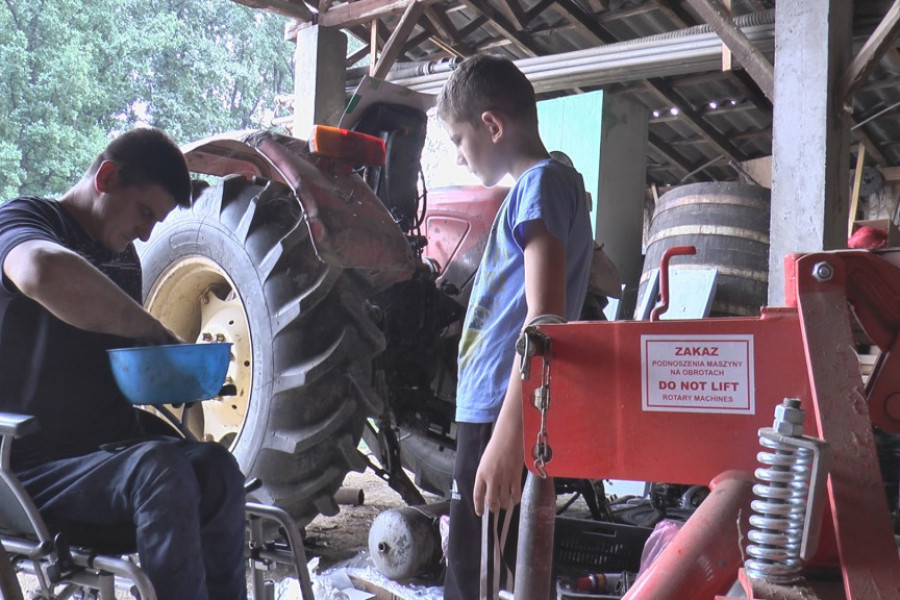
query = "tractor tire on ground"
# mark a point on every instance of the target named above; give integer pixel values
(240, 267)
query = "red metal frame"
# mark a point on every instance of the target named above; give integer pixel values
(603, 423)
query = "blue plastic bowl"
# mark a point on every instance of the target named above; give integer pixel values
(170, 374)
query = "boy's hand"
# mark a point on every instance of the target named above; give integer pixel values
(498, 481)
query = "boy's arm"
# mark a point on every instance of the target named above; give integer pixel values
(498, 481)
(78, 293)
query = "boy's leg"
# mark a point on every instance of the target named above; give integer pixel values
(152, 485)
(464, 542)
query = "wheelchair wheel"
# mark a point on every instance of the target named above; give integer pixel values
(9, 583)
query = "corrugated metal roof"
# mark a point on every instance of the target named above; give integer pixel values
(716, 110)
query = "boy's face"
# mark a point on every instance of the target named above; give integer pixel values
(475, 149)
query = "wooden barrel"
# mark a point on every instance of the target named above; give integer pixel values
(728, 223)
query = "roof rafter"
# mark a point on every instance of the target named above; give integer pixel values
(581, 20)
(662, 149)
(364, 11)
(692, 118)
(675, 13)
(743, 49)
(664, 91)
(513, 12)
(502, 26)
(285, 8)
(865, 61)
(394, 46)
(445, 34)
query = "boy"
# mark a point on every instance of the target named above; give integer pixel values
(536, 262)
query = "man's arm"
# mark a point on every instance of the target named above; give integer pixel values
(78, 293)
(498, 481)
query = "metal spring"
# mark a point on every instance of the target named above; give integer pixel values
(777, 527)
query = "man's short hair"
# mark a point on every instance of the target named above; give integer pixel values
(486, 82)
(146, 156)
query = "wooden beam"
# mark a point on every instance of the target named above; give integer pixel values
(374, 44)
(285, 8)
(727, 56)
(394, 45)
(582, 21)
(719, 142)
(675, 162)
(357, 56)
(890, 174)
(537, 9)
(414, 41)
(865, 61)
(363, 11)
(687, 114)
(513, 12)
(444, 31)
(626, 13)
(871, 149)
(598, 5)
(441, 42)
(675, 13)
(892, 59)
(474, 24)
(757, 65)
(857, 182)
(502, 26)
(742, 80)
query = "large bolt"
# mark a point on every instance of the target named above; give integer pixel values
(822, 271)
(789, 418)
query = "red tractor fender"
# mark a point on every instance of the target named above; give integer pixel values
(349, 226)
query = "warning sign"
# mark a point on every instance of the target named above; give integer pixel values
(703, 373)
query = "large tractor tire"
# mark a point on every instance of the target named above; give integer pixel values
(240, 267)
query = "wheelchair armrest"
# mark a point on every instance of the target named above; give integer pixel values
(17, 425)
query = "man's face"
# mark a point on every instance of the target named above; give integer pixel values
(129, 213)
(474, 149)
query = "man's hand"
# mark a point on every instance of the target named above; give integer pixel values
(161, 336)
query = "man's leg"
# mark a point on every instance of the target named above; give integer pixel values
(222, 520)
(152, 485)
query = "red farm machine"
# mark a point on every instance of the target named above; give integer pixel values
(770, 412)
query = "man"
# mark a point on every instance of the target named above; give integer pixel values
(71, 289)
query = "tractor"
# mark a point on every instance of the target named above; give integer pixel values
(341, 283)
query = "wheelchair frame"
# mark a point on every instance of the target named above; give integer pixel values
(62, 569)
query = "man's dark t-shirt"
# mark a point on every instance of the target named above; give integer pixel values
(49, 369)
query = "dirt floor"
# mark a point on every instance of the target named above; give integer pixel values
(337, 538)
(332, 539)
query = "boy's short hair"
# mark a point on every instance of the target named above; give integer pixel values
(146, 156)
(486, 82)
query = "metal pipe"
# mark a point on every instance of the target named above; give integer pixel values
(704, 557)
(534, 553)
(691, 50)
(351, 496)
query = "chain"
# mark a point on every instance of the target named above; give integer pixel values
(542, 451)
(530, 342)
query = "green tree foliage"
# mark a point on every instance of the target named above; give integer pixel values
(74, 73)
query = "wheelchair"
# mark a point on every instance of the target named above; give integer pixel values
(72, 561)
